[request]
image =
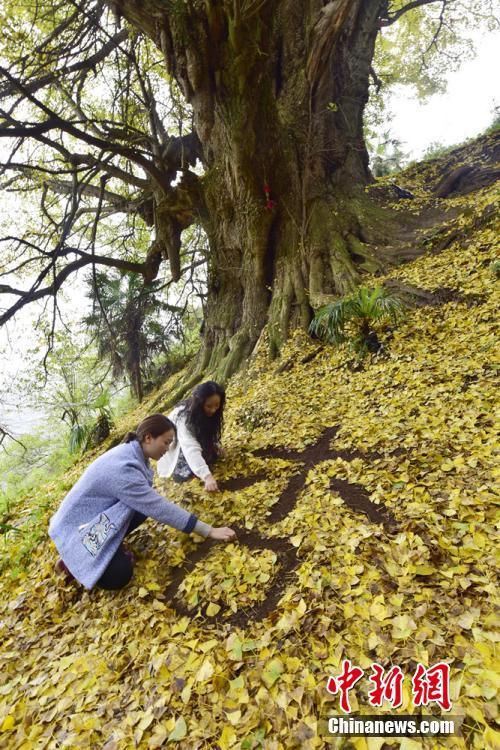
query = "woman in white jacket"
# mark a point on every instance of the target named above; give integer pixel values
(199, 422)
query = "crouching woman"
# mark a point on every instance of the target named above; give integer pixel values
(112, 498)
(199, 421)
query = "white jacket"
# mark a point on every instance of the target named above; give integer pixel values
(190, 447)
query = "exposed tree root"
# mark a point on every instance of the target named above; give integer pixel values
(415, 297)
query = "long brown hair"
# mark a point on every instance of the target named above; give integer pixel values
(207, 430)
(154, 425)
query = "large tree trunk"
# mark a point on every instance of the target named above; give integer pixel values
(278, 89)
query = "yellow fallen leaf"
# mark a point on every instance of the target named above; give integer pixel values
(378, 610)
(490, 676)
(402, 627)
(491, 739)
(146, 721)
(272, 672)
(425, 570)
(234, 647)
(212, 609)
(349, 610)
(179, 731)
(408, 744)
(8, 723)
(181, 626)
(466, 620)
(205, 671)
(301, 607)
(157, 739)
(227, 738)
(455, 686)
(286, 621)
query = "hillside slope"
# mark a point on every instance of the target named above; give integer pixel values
(365, 508)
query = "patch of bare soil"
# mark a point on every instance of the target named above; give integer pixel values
(287, 562)
(355, 497)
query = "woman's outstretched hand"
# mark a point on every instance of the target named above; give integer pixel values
(222, 534)
(210, 484)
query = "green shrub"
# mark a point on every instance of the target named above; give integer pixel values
(352, 319)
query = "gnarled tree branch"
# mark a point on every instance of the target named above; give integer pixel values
(88, 64)
(35, 293)
(393, 17)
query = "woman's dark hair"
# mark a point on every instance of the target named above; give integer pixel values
(154, 425)
(207, 430)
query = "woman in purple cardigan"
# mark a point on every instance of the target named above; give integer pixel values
(114, 496)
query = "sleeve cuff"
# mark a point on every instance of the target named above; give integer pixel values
(202, 528)
(204, 473)
(188, 528)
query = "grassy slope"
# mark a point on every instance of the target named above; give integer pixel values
(118, 671)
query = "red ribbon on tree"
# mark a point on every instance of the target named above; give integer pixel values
(270, 204)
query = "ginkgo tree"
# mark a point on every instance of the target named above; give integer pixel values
(242, 117)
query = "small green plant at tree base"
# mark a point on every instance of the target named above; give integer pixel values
(353, 318)
(495, 268)
(6, 529)
(91, 434)
(101, 428)
(78, 437)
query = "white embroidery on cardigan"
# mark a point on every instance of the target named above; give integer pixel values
(94, 538)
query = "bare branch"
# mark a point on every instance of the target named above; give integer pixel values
(393, 17)
(111, 142)
(88, 64)
(4, 433)
(376, 80)
(28, 131)
(119, 202)
(112, 337)
(84, 259)
(433, 42)
(92, 140)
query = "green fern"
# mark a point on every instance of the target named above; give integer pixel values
(353, 318)
(78, 438)
(6, 528)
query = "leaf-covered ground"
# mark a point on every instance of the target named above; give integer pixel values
(378, 544)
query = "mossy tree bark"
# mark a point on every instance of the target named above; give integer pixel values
(278, 89)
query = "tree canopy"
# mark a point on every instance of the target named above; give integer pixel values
(126, 124)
